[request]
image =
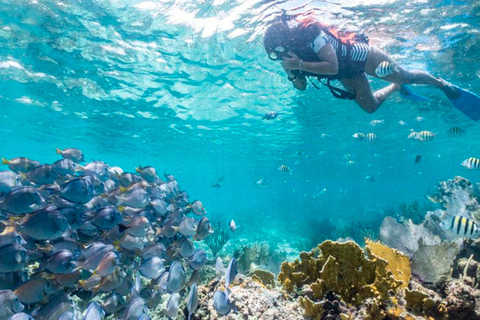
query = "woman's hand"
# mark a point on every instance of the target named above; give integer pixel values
(292, 62)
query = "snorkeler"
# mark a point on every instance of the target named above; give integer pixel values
(312, 49)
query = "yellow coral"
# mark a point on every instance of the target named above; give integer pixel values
(398, 263)
(265, 277)
(312, 309)
(341, 268)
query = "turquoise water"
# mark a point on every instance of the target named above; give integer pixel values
(183, 86)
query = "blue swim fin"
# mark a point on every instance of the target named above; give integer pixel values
(408, 93)
(468, 103)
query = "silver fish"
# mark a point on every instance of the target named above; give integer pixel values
(154, 250)
(187, 227)
(41, 175)
(233, 226)
(64, 167)
(21, 316)
(12, 258)
(94, 312)
(8, 181)
(135, 198)
(21, 164)
(106, 218)
(78, 191)
(9, 304)
(107, 264)
(95, 168)
(230, 273)
(22, 200)
(219, 268)
(152, 268)
(198, 260)
(172, 306)
(192, 300)
(44, 225)
(60, 262)
(198, 208)
(138, 227)
(135, 309)
(187, 249)
(147, 173)
(57, 307)
(11, 237)
(34, 291)
(221, 303)
(113, 303)
(204, 229)
(73, 154)
(176, 277)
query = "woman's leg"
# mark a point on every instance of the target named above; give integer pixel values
(365, 98)
(403, 76)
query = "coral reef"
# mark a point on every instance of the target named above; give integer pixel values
(344, 269)
(405, 236)
(265, 277)
(433, 263)
(251, 299)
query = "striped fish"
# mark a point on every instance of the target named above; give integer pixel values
(371, 137)
(374, 123)
(425, 135)
(412, 135)
(359, 136)
(284, 168)
(471, 163)
(385, 68)
(461, 227)
(455, 131)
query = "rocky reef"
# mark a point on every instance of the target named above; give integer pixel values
(414, 272)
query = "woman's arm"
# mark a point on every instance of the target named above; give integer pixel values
(328, 64)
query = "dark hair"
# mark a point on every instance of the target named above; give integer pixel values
(277, 34)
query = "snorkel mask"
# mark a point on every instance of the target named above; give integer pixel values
(277, 38)
(278, 53)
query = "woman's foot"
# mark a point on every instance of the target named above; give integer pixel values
(450, 90)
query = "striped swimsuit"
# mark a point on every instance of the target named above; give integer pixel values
(352, 56)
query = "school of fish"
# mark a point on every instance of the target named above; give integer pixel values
(122, 242)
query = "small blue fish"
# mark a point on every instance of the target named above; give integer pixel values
(221, 303)
(230, 273)
(198, 260)
(176, 277)
(94, 312)
(172, 306)
(192, 300)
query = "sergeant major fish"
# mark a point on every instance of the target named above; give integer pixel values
(284, 168)
(385, 68)
(461, 227)
(471, 163)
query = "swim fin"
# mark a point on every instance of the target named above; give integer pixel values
(467, 102)
(408, 93)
